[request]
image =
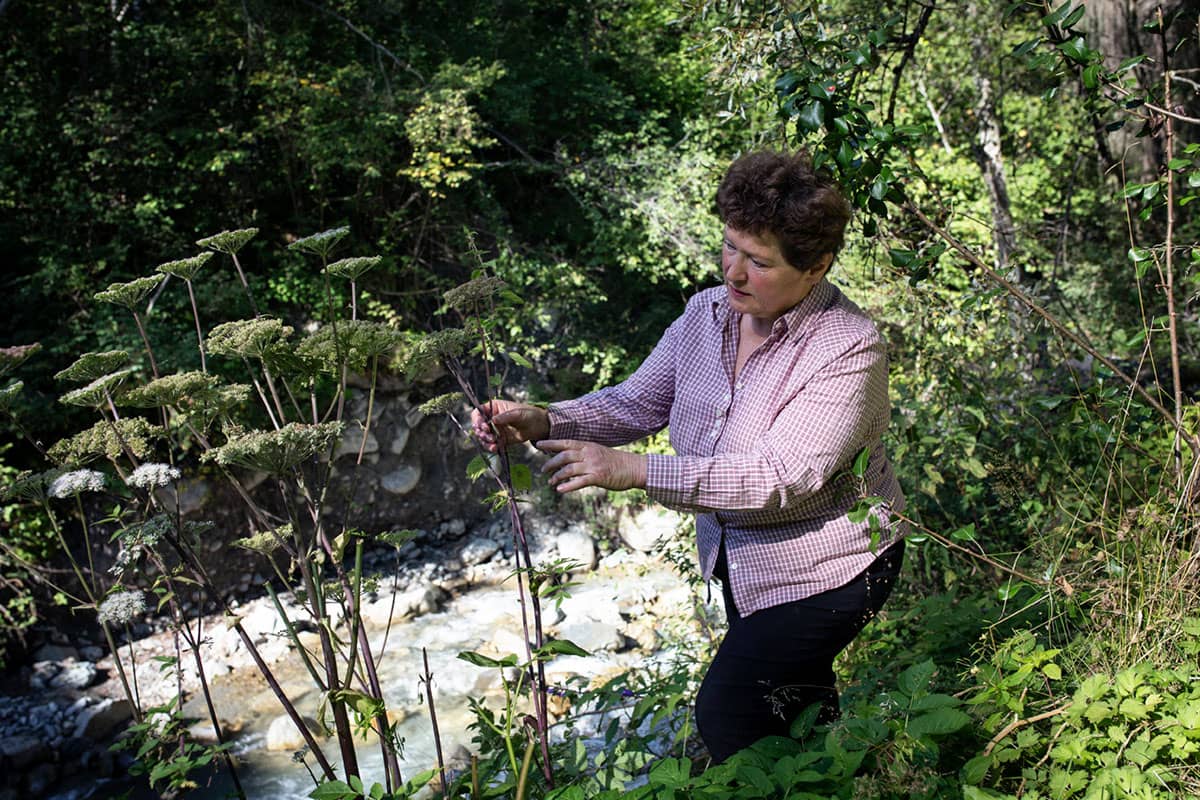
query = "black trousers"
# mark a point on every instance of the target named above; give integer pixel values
(777, 662)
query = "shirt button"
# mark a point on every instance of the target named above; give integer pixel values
(733, 566)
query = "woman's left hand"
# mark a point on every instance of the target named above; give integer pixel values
(578, 464)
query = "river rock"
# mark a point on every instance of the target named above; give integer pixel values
(414, 416)
(282, 734)
(595, 637)
(647, 528)
(594, 603)
(352, 440)
(477, 551)
(402, 480)
(75, 675)
(96, 722)
(576, 544)
(415, 602)
(22, 750)
(399, 439)
(55, 652)
(189, 493)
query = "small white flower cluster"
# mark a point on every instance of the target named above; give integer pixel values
(122, 608)
(79, 481)
(148, 476)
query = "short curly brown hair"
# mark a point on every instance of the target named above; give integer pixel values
(781, 193)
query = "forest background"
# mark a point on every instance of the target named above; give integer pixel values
(1021, 175)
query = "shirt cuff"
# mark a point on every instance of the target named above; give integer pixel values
(664, 479)
(562, 426)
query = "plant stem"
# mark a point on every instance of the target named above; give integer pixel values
(245, 285)
(145, 341)
(427, 678)
(199, 333)
(1169, 259)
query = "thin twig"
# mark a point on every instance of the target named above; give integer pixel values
(1020, 723)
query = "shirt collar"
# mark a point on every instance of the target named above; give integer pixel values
(796, 320)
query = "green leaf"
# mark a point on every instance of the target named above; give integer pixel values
(811, 116)
(964, 534)
(1052, 671)
(931, 702)
(477, 467)
(975, 770)
(1073, 17)
(332, 790)
(674, 773)
(916, 678)
(480, 660)
(860, 463)
(521, 360)
(938, 722)
(1057, 16)
(561, 647)
(522, 478)
(1091, 76)
(1075, 49)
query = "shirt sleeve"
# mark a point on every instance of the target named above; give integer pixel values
(631, 410)
(815, 435)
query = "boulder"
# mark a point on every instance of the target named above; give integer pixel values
(77, 675)
(478, 551)
(402, 480)
(96, 722)
(352, 440)
(576, 544)
(646, 529)
(595, 637)
(283, 735)
(399, 439)
(22, 750)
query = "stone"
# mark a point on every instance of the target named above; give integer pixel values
(412, 603)
(22, 750)
(400, 439)
(55, 652)
(44, 672)
(402, 480)
(646, 529)
(595, 637)
(477, 551)
(74, 675)
(352, 439)
(576, 544)
(96, 722)
(283, 735)
(91, 653)
(189, 493)
(413, 417)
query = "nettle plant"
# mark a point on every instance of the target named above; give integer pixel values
(284, 422)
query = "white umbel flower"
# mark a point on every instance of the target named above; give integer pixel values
(121, 608)
(148, 476)
(79, 481)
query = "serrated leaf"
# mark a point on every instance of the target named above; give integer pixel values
(938, 722)
(476, 467)
(975, 770)
(522, 478)
(916, 678)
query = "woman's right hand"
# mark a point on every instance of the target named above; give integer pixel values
(511, 422)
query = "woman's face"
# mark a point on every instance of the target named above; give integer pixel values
(759, 280)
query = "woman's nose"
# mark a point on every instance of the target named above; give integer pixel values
(735, 267)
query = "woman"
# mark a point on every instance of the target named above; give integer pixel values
(771, 386)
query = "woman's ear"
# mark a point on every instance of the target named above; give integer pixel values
(822, 266)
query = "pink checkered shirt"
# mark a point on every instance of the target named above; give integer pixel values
(764, 463)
